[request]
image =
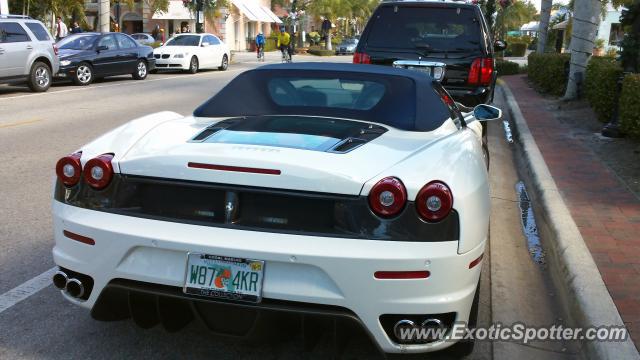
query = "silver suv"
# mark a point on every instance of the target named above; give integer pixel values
(27, 52)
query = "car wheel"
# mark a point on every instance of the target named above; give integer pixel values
(193, 65)
(225, 63)
(39, 77)
(141, 70)
(84, 74)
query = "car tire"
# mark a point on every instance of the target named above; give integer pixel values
(225, 63)
(141, 70)
(39, 77)
(83, 75)
(193, 65)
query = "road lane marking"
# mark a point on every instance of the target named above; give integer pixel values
(182, 76)
(18, 123)
(26, 289)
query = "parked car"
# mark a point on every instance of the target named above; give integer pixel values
(87, 56)
(27, 52)
(192, 52)
(144, 39)
(345, 191)
(347, 46)
(417, 34)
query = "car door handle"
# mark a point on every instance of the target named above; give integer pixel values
(29, 47)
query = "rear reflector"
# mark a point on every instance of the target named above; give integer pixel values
(79, 238)
(475, 262)
(401, 275)
(234, 168)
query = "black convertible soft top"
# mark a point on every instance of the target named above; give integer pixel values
(404, 99)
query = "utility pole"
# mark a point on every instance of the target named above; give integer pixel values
(199, 14)
(105, 16)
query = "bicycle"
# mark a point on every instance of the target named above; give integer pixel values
(286, 56)
(261, 53)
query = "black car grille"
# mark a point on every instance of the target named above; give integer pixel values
(157, 56)
(165, 56)
(253, 208)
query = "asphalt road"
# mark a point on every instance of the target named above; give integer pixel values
(37, 129)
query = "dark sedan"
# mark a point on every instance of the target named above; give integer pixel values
(87, 56)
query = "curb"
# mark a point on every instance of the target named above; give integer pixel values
(584, 295)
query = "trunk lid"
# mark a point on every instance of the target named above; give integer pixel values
(253, 154)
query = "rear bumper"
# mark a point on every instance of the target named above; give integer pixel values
(470, 96)
(333, 272)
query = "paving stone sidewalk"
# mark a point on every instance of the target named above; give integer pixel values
(606, 212)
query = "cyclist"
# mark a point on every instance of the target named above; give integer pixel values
(284, 42)
(260, 44)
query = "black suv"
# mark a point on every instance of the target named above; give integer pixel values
(416, 33)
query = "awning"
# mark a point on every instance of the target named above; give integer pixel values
(561, 25)
(176, 11)
(273, 16)
(255, 12)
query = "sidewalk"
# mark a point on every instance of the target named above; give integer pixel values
(606, 212)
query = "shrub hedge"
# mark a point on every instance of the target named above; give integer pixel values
(630, 105)
(600, 85)
(506, 67)
(320, 51)
(547, 72)
(516, 49)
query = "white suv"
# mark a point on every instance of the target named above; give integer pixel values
(27, 52)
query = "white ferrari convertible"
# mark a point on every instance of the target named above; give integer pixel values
(326, 192)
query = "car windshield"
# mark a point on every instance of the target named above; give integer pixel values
(431, 29)
(184, 40)
(78, 42)
(349, 42)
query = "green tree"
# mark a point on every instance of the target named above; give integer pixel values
(513, 16)
(329, 9)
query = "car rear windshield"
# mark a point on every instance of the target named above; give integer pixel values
(78, 42)
(184, 40)
(434, 29)
(326, 92)
(39, 31)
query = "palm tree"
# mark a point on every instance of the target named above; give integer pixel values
(543, 26)
(586, 19)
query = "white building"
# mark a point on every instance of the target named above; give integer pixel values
(610, 29)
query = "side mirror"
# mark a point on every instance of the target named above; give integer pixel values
(499, 45)
(102, 48)
(484, 112)
(205, 44)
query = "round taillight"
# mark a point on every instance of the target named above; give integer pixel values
(98, 171)
(434, 201)
(69, 169)
(388, 197)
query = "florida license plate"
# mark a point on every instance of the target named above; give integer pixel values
(224, 277)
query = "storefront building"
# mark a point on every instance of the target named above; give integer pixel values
(236, 25)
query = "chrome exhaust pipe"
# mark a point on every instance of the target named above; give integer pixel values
(401, 328)
(60, 280)
(75, 288)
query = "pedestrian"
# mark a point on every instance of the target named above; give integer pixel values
(75, 28)
(156, 32)
(61, 29)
